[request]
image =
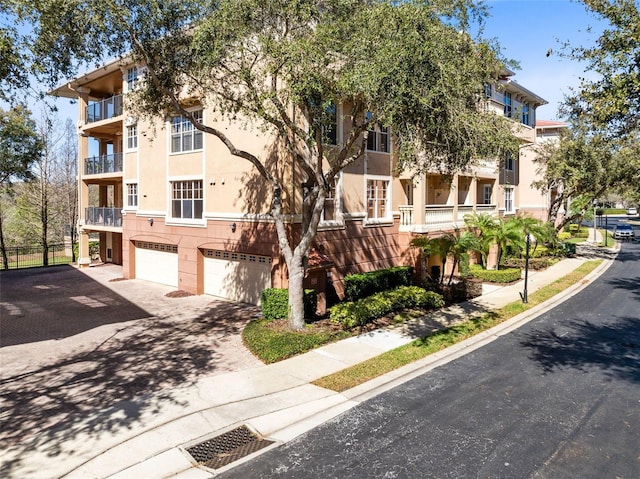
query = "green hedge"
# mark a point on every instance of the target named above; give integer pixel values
(358, 313)
(507, 275)
(534, 263)
(357, 286)
(275, 303)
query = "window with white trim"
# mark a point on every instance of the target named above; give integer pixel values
(486, 194)
(186, 199)
(132, 137)
(132, 195)
(507, 104)
(509, 163)
(378, 137)
(377, 198)
(508, 199)
(185, 136)
(525, 114)
(132, 78)
(331, 205)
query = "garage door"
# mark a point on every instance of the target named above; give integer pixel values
(157, 262)
(236, 276)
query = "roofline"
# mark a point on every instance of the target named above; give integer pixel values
(68, 89)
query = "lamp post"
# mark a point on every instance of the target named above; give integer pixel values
(595, 202)
(524, 294)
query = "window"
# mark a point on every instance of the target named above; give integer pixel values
(132, 137)
(486, 195)
(509, 163)
(184, 136)
(508, 200)
(378, 139)
(507, 104)
(132, 195)
(525, 114)
(331, 203)
(186, 199)
(377, 193)
(132, 78)
(330, 131)
(488, 90)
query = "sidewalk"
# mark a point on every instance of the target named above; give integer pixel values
(276, 400)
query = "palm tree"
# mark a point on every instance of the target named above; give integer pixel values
(484, 227)
(507, 233)
(460, 244)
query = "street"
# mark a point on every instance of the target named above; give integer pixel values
(558, 398)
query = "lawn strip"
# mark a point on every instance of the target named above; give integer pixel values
(441, 339)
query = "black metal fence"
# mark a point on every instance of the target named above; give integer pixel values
(32, 256)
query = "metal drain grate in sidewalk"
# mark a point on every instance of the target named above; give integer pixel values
(227, 448)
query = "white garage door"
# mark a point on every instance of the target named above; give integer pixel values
(236, 276)
(157, 262)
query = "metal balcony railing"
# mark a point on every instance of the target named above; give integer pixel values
(103, 216)
(97, 165)
(102, 110)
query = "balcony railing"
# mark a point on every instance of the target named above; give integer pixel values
(102, 110)
(102, 216)
(97, 165)
(442, 214)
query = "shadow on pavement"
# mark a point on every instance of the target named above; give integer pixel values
(52, 303)
(613, 348)
(126, 379)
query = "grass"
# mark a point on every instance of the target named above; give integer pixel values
(438, 340)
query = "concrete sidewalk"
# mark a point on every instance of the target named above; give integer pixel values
(276, 400)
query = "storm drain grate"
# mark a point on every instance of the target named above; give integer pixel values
(227, 448)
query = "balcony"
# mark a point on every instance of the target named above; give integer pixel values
(103, 110)
(98, 165)
(440, 216)
(103, 216)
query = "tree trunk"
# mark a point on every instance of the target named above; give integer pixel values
(296, 295)
(3, 248)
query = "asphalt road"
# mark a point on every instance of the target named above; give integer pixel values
(558, 398)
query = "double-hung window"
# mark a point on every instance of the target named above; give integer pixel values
(329, 213)
(186, 199)
(132, 195)
(508, 199)
(132, 78)
(507, 104)
(132, 137)
(184, 136)
(377, 198)
(525, 114)
(509, 163)
(487, 195)
(378, 137)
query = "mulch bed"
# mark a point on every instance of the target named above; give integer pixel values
(113, 280)
(180, 293)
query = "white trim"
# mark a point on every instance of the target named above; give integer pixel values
(389, 215)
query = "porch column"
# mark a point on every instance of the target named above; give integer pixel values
(420, 201)
(453, 196)
(473, 192)
(84, 259)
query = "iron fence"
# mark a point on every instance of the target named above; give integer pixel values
(32, 256)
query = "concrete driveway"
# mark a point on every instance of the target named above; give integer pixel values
(73, 342)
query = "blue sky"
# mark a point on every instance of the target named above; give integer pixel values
(527, 29)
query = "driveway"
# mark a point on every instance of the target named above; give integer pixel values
(74, 342)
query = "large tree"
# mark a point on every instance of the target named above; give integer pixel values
(282, 65)
(20, 146)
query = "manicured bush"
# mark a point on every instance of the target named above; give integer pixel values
(506, 275)
(564, 235)
(534, 263)
(362, 311)
(357, 286)
(275, 303)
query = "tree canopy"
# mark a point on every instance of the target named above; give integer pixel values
(281, 65)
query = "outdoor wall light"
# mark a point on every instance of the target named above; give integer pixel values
(212, 181)
(233, 227)
(150, 220)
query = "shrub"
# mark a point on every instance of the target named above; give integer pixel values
(357, 286)
(362, 311)
(507, 275)
(534, 263)
(564, 235)
(275, 303)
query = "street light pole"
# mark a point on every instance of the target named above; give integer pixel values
(524, 295)
(594, 220)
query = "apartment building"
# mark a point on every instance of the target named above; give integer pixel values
(172, 206)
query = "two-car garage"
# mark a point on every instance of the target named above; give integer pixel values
(230, 275)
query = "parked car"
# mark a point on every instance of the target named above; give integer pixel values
(632, 211)
(624, 232)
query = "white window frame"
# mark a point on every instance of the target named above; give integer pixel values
(377, 199)
(509, 163)
(132, 78)
(379, 138)
(508, 104)
(181, 128)
(526, 111)
(338, 219)
(132, 195)
(132, 137)
(486, 194)
(509, 206)
(191, 192)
